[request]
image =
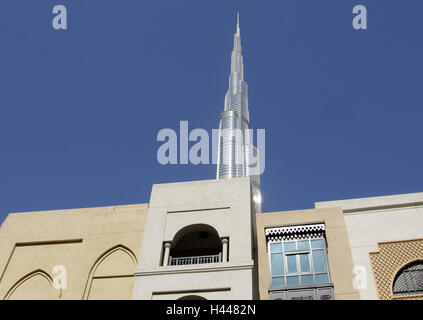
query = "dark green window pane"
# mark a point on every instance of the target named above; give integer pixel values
(276, 247)
(293, 281)
(278, 282)
(317, 244)
(322, 278)
(304, 262)
(319, 261)
(277, 264)
(308, 279)
(291, 261)
(290, 246)
(303, 245)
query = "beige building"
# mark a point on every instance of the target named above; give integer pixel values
(386, 241)
(93, 251)
(204, 240)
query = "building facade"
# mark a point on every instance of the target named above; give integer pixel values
(71, 254)
(386, 238)
(199, 239)
(204, 240)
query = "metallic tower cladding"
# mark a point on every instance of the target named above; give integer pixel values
(237, 156)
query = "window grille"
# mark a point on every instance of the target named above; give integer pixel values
(409, 280)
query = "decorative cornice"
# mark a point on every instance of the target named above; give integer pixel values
(295, 232)
(194, 269)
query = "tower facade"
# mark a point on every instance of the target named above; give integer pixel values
(237, 156)
(198, 242)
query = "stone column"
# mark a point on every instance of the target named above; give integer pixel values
(225, 249)
(167, 246)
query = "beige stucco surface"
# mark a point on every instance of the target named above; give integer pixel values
(225, 205)
(371, 221)
(98, 248)
(339, 254)
(116, 252)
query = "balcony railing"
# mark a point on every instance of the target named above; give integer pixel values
(194, 260)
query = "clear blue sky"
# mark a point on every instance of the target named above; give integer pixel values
(80, 108)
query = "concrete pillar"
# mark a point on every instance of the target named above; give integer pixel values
(225, 243)
(167, 246)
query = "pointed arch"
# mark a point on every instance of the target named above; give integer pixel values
(102, 260)
(30, 277)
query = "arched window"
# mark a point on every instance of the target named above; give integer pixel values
(409, 280)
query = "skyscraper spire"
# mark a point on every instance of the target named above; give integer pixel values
(237, 66)
(237, 156)
(237, 26)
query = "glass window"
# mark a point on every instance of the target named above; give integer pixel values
(292, 280)
(317, 244)
(304, 262)
(291, 261)
(278, 281)
(319, 261)
(290, 246)
(276, 247)
(303, 245)
(308, 279)
(277, 264)
(322, 278)
(298, 262)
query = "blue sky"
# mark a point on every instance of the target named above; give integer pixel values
(80, 109)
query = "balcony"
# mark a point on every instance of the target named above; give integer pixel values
(193, 245)
(195, 260)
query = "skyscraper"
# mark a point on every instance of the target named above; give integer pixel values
(237, 156)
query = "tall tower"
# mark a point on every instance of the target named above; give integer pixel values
(237, 156)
